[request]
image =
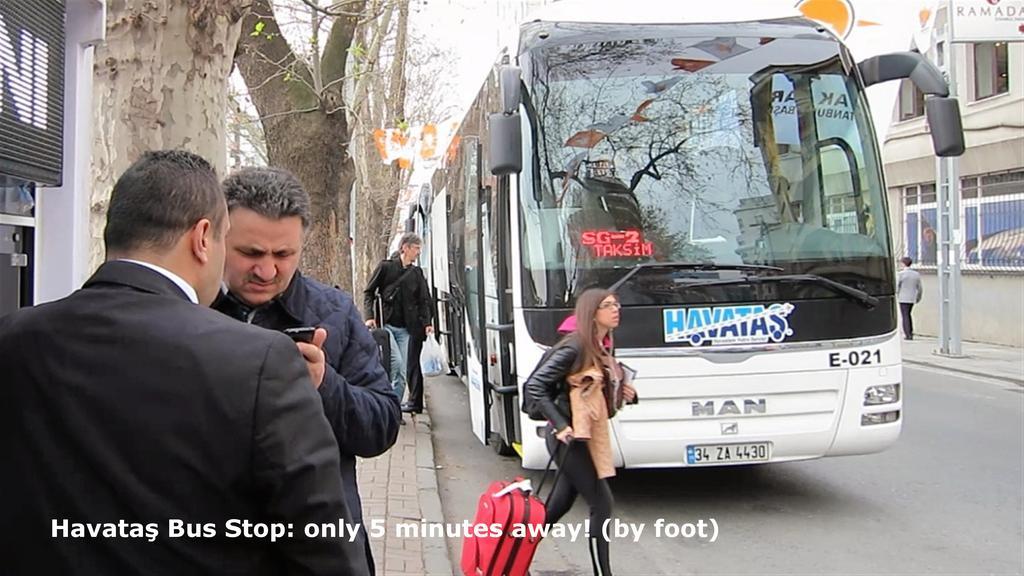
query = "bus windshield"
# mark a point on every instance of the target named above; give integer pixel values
(720, 151)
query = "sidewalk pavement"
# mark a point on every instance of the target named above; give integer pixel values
(400, 486)
(985, 360)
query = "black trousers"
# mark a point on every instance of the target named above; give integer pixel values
(908, 320)
(580, 477)
(413, 373)
(369, 553)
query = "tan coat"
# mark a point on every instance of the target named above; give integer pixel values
(590, 418)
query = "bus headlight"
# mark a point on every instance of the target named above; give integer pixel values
(884, 394)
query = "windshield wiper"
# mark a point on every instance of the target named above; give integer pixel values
(709, 266)
(859, 296)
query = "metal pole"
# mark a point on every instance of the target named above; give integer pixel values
(950, 236)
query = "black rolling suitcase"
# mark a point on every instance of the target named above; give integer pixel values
(383, 339)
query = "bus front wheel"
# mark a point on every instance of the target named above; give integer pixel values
(500, 446)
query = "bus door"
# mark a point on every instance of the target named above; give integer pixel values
(448, 230)
(476, 368)
(498, 328)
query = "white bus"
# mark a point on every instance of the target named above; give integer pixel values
(719, 170)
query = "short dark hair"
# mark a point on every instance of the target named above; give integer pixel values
(906, 261)
(159, 197)
(273, 193)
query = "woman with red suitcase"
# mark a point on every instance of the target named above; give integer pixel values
(577, 387)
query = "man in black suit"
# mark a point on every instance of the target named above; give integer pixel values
(127, 408)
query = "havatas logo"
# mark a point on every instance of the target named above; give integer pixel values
(720, 325)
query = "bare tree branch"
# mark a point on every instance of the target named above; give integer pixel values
(299, 100)
(265, 117)
(335, 9)
(284, 70)
(268, 49)
(362, 87)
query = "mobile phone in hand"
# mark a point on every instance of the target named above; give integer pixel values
(302, 334)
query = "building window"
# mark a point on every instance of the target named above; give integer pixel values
(994, 221)
(991, 219)
(17, 197)
(991, 70)
(921, 238)
(911, 101)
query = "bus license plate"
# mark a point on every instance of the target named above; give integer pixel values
(719, 453)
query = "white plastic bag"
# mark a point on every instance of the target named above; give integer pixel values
(432, 359)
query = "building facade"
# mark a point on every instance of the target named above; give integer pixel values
(990, 86)
(46, 67)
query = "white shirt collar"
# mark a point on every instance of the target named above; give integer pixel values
(185, 286)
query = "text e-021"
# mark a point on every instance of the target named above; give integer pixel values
(854, 358)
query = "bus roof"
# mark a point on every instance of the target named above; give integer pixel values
(866, 27)
(662, 12)
(603, 21)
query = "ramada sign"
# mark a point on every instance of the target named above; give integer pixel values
(988, 20)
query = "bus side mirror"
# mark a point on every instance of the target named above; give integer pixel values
(511, 97)
(945, 125)
(899, 65)
(505, 151)
(943, 112)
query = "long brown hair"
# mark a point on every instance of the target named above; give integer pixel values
(586, 329)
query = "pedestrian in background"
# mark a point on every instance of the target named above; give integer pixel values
(269, 213)
(568, 389)
(908, 293)
(399, 288)
(130, 401)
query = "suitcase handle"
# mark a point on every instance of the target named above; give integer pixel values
(523, 485)
(558, 473)
(378, 310)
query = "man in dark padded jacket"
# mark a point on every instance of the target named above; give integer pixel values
(269, 213)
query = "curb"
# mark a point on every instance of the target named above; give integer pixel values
(435, 550)
(942, 367)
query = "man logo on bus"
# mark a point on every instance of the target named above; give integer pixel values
(749, 324)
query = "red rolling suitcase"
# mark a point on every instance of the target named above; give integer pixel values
(512, 507)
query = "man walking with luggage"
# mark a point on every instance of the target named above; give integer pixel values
(908, 293)
(399, 291)
(269, 214)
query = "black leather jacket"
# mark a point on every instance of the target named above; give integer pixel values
(546, 390)
(416, 308)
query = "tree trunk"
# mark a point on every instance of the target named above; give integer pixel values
(312, 146)
(306, 130)
(160, 82)
(382, 105)
(375, 211)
